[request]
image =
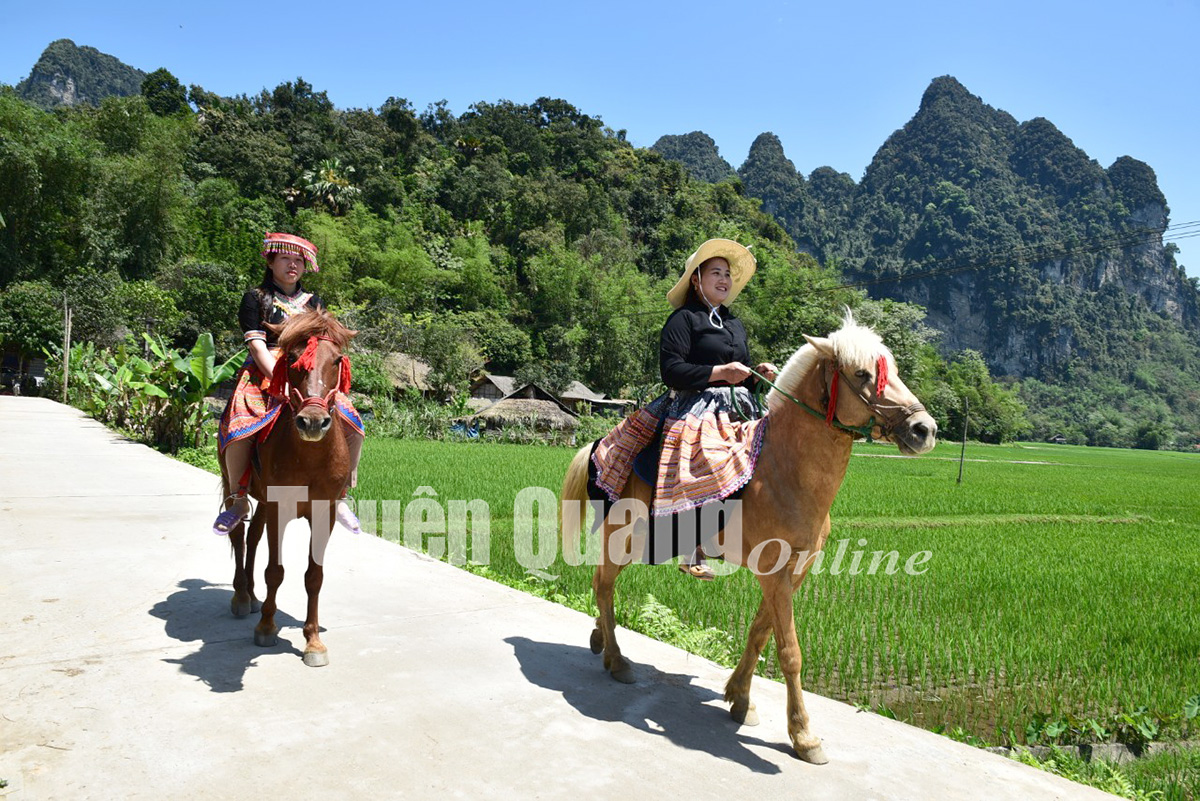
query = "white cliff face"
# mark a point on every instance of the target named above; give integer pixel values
(62, 89)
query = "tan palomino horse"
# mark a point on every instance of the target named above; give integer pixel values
(785, 506)
(306, 449)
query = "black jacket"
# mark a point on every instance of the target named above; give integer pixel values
(690, 346)
(258, 308)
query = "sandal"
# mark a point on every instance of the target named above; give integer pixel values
(229, 519)
(346, 516)
(701, 571)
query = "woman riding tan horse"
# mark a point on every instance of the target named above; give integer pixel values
(305, 461)
(830, 392)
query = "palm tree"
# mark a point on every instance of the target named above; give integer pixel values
(329, 185)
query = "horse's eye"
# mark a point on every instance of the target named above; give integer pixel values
(863, 374)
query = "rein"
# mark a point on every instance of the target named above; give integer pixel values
(830, 414)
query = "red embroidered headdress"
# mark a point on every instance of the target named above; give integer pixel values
(289, 243)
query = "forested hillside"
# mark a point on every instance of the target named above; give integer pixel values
(528, 238)
(1020, 247)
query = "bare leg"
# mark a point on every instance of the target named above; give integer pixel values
(354, 441)
(345, 515)
(237, 459)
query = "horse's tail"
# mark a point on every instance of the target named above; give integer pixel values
(574, 489)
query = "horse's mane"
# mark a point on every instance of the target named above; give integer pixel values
(856, 346)
(295, 331)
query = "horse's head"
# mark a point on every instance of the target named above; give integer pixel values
(312, 368)
(862, 391)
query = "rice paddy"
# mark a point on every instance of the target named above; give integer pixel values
(1061, 583)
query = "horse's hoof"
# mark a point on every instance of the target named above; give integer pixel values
(316, 658)
(597, 641)
(624, 675)
(239, 608)
(747, 716)
(266, 639)
(814, 755)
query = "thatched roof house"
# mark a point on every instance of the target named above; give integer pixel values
(492, 387)
(477, 405)
(407, 371)
(529, 405)
(584, 401)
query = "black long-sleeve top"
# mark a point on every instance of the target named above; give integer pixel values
(690, 346)
(259, 307)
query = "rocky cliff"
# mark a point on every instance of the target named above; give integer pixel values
(68, 75)
(1017, 243)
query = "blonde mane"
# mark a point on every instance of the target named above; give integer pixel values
(856, 347)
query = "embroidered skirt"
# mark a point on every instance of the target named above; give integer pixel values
(251, 410)
(709, 447)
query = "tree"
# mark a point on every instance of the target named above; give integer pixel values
(164, 94)
(451, 355)
(31, 317)
(207, 294)
(996, 414)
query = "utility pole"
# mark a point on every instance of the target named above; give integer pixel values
(66, 345)
(966, 421)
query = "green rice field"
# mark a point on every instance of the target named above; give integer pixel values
(1059, 603)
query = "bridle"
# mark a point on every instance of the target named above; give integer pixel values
(885, 416)
(281, 386)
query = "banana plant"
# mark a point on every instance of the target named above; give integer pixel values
(200, 373)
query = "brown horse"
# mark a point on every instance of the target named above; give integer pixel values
(305, 452)
(785, 506)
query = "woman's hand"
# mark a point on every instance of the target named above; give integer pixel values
(732, 373)
(769, 370)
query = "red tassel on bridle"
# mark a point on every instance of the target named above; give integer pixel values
(881, 376)
(309, 358)
(306, 361)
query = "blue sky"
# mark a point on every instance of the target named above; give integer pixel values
(831, 80)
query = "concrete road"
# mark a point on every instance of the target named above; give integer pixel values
(123, 674)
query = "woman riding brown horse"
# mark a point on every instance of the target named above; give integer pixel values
(304, 467)
(830, 391)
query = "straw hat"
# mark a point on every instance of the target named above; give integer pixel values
(290, 243)
(741, 267)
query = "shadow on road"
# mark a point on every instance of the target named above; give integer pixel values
(664, 704)
(199, 612)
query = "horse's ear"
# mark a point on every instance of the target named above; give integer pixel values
(823, 345)
(351, 334)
